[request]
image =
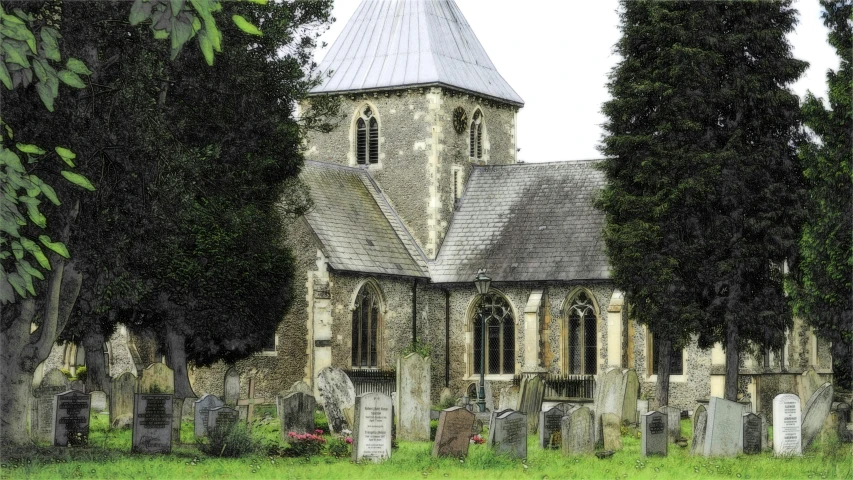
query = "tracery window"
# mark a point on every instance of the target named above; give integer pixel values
(582, 341)
(476, 136)
(366, 137)
(365, 328)
(500, 335)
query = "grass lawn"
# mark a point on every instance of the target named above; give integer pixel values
(109, 457)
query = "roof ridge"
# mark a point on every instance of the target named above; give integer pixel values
(534, 164)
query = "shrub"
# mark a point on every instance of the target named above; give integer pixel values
(305, 444)
(447, 403)
(341, 448)
(419, 347)
(320, 421)
(233, 442)
(433, 427)
(81, 373)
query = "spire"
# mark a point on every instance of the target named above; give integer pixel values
(408, 43)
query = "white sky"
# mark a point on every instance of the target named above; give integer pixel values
(557, 54)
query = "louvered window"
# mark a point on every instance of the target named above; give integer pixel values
(582, 336)
(475, 140)
(365, 328)
(494, 312)
(361, 142)
(366, 138)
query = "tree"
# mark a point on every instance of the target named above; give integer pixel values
(822, 291)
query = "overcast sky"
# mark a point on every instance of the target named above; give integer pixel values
(556, 54)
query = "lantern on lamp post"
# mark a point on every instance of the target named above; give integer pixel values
(482, 282)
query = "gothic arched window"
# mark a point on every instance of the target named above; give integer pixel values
(365, 328)
(476, 135)
(366, 137)
(500, 335)
(582, 338)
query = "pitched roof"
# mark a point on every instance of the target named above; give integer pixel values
(526, 222)
(358, 229)
(397, 43)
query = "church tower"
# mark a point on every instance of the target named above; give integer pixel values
(421, 102)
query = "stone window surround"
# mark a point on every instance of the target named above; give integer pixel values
(353, 141)
(469, 339)
(483, 135)
(564, 327)
(648, 367)
(269, 353)
(372, 283)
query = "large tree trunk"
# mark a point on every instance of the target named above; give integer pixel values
(664, 369)
(732, 360)
(97, 377)
(176, 357)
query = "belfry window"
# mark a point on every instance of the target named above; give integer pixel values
(582, 336)
(500, 335)
(476, 136)
(365, 328)
(366, 137)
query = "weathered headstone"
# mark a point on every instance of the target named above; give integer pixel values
(510, 434)
(202, 409)
(632, 392)
(338, 396)
(221, 419)
(724, 431)
(530, 403)
(446, 397)
(78, 386)
(301, 387)
(673, 422)
(814, 415)
(764, 433)
(609, 397)
(751, 434)
(654, 434)
(611, 428)
(509, 398)
(296, 414)
(642, 408)
(550, 425)
(99, 401)
(231, 388)
(53, 383)
(152, 423)
(156, 378)
(71, 419)
(807, 385)
(576, 430)
(122, 389)
(700, 423)
(454, 433)
(413, 394)
(371, 437)
(787, 428)
(495, 414)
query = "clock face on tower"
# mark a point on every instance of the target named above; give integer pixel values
(460, 120)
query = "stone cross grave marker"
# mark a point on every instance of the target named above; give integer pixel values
(510, 434)
(122, 389)
(550, 425)
(454, 433)
(611, 429)
(673, 422)
(297, 414)
(530, 403)
(221, 418)
(372, 430)
(787, 428)
(814, 415)
(231, 387)
(632, 391)
(413, 398)
(53, 383)
(99, 401)
(71, 419)
(201, 410)
(338, 395)
(576, 430)
(654, 434)
(152, 423)
(157, 378)
(250, 403)
(700, 423)
(751, 434)
(724, 431)
(609, 398)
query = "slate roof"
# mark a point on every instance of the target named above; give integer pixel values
(357, 228)
(526, 222)
(407, 43)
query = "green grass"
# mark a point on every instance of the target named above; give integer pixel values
(109, 457)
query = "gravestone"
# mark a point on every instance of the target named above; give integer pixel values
(446, 397)
(700, 423)
(654, 434)
(78, 386)
(231, 388)
(814, 415)
(71, 419)
(611, 428)
(98, 401)
(530, 403)
(301, 387)
(122, 389)
(673, 422)
(724, 431)
(221, 419)
(53, 383)
(152, 423)
(510, 434)
(751, 434)
(202, 408)
(296, 414)
(454, 433)
(495, 414)
(371, 437)
(576, 432)
(156, 378)
(787, 428)
(632, 392)
(338, 396)
(550, 426)
(764, 433)
(642, 408)
(413, 393)
(509, 398)
(807, 384)
(609, 397)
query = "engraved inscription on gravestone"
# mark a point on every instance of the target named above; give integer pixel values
(653, 432)
(372, 429)
(152, 423)
(71, 424)
(454, 432)
(549, 426)
(787, 420)
(202, 408)
(576, 429)
(53, 383)
(510, 434)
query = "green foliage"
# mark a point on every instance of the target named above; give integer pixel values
(421, 348)
(339, 448)
(233, 442)
(81, 374)
(305, 445)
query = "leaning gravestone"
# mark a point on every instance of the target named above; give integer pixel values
(530, 404)
(654, 434)
(495, 414)
(202, 408)
(550, 425)
(221, 419)
(724, 431)
(576, 432)
(338, 396)
(609, 397)
(157, 378)
(632, 391)
(296, 414)
(787, 428)
(612, 432)
(814, 415)
(454, 433)
(807, 384)
(53, 383)
(152, 423)
(700, 423)
(510, 434)
(413, 394)
(231, 387)
(71, 419)
(509, 398)
(122, 389)
(99, 401)
(371, 437)
(751, 434)
(673, 422)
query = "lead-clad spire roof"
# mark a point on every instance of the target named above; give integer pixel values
(406, 43)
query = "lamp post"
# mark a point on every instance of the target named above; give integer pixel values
(482, 283)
